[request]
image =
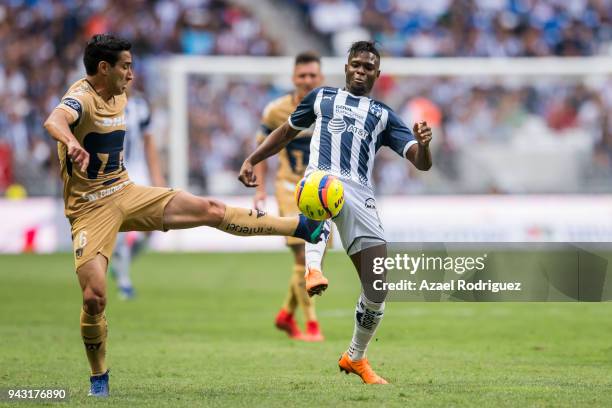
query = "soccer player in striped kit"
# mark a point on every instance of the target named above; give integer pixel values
(140, 155)
(350, 127)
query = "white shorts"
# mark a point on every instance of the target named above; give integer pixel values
(358, 223)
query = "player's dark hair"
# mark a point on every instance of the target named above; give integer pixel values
(307, 57)
(103, 47)
(363, 46)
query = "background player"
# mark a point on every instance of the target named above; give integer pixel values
(100, 199)
(292, 164)
(349, 129)
(140, 155)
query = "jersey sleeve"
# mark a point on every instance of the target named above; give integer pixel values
(304, 115)
(397, 135)
(76, 104)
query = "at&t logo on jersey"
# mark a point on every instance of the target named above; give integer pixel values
(336, 125)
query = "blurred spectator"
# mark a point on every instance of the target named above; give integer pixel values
(436, 28)
(41, 44)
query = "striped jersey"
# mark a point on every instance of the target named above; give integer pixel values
(138, 118)
(348, 132)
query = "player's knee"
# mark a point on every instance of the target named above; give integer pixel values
(213, 211)
(94, 300)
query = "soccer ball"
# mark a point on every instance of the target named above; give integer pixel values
(319, 195)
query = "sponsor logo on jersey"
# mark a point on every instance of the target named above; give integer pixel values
(370, 203)
(336, 125)
(362, 133)
(73, 104)
(111, 122)
(105, 193)
(347, 111)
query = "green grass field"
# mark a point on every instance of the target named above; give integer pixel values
(201, 333)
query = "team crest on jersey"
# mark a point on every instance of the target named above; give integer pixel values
(376, 110)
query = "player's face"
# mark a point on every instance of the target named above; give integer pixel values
(361, 73)
(121, 73)
(307, 77)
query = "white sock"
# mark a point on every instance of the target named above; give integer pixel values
(315, 252)
(122, 258)
(367, 318)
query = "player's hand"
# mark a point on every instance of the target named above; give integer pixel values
(259, 200)
(422, 133)
(78, 155)
(247, 176)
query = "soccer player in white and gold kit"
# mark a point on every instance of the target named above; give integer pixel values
(293, 159)
(101, 200)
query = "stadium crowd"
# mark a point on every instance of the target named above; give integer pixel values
(40, 54)
(464, 114)
(41, 42)
(471, 28)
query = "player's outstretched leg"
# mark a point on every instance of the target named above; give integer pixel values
(92, 278)
(316, 283)
(368, 315)
(187, 211)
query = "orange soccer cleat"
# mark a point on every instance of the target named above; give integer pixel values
(316, 283)
(361, 368)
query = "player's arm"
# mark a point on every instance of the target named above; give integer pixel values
(273, 144)
(413, 145)
(299, 120)
(58, 125)
(260, 170)
(419, 153)
(153, 161)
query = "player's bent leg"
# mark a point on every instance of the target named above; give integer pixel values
(92, 278)
(369, 312)
(316, 283)
(186, 210)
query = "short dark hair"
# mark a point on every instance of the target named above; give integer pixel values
(103, 47)
(307, 57)
(363, 46)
